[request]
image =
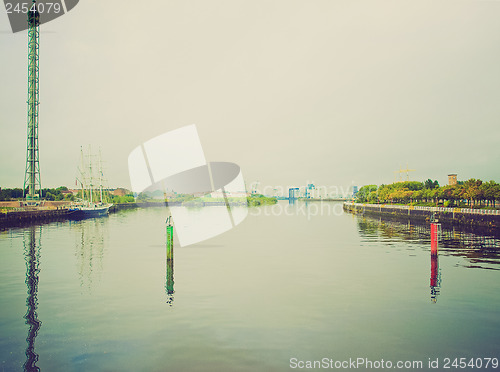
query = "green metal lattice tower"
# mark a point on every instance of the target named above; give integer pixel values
(32, 176)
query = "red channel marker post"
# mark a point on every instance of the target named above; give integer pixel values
(434, 239)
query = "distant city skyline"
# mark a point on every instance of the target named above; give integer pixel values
(331, 93)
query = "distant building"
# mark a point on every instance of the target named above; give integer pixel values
(293, 193)
(308, 190)
(354, 191)
(452, 179)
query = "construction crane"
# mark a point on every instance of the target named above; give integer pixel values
(32, 176)
(401, 171)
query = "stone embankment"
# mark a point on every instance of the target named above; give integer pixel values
(456, 216)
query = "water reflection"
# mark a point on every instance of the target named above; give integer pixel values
(436, 234)
(480, 251)
(90, 243)
(435, 278)
(32, 257)
(169, 286)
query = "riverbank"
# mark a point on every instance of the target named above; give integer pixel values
(323, 200)
(14, 214)
(454, 216)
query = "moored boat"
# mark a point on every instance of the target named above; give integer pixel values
(90, 211)
(87, 207)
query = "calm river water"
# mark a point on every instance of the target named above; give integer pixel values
(288, 286)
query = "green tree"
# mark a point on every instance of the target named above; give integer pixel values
(8, 194)
(418, 195)
(362, 195)
(496, 192)
(472, 191)
(448, 194)
(69, 197)
(490, 191)
(412, 185)
(429, 184)
(372, 197)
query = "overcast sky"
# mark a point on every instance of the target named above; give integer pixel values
(326, 91)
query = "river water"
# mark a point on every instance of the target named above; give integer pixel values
(288, 286)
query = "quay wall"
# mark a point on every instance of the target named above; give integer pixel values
(28, 216)
(455, 216)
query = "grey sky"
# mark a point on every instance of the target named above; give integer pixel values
(335, 92)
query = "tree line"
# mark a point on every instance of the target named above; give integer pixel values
(60, 194)
(472, 193)
(47, 194)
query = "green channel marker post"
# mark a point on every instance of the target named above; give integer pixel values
(170, 240)
(169, 287)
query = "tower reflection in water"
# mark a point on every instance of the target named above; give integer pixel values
(32, 257)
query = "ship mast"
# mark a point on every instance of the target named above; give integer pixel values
(90, 173)
(100, 172)
(83, 181)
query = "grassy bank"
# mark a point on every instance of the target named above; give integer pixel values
(258, 199)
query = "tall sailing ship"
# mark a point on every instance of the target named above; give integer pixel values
(92, 202)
